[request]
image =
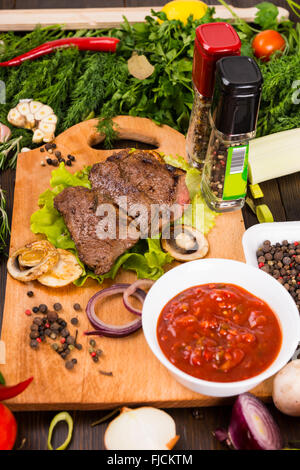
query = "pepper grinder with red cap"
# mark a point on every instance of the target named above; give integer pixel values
(213, 41)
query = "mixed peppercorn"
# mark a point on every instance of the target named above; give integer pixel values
(52, 150)
(282, 261)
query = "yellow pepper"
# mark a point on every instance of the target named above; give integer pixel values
(182, 9)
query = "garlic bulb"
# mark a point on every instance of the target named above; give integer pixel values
(5, 133)
(38, 117)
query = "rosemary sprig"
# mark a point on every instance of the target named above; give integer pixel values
(4, 224)
(9, 152)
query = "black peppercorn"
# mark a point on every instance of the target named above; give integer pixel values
(30, 293)
(77, 307)
(43, 308)
(49, 161)
(35, 309)
(57, 307)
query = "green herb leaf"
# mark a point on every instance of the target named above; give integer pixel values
(266, 17)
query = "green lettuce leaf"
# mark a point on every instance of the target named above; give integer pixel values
(146, 258)
(198, 214)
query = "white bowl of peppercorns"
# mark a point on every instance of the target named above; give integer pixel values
(275, 249)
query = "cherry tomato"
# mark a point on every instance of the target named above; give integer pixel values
(266, 43)
(8, 428)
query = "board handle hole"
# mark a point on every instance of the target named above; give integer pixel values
(124, 144)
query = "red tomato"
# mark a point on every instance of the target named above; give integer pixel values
(266, 43)
(8, 428)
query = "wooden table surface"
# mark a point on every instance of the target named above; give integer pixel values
(195, 426)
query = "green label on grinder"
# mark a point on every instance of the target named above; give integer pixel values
(235, 182)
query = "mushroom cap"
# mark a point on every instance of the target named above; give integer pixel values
(185, 243)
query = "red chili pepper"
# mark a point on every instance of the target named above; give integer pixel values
(12, 391)
(102, 44)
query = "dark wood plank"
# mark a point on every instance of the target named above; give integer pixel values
(7, 4)
(7, 183)
(289, 187)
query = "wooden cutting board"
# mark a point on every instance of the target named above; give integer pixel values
(138, 377)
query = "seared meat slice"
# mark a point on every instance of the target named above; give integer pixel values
(81, 209)
(143, 178)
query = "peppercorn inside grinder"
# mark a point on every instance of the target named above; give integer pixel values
(233, 119)
(213, 41)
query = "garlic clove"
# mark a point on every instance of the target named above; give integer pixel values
(35, 106)
(25, 149)
(30, 121)
(5, 133)
(23, 108)
(37, 137)
(43, 112)
(48, 131)
(52, 119)
(16, 118)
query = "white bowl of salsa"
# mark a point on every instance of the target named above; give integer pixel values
(219, 326)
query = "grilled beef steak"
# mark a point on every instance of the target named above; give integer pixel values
(143, 179)
(78, 206)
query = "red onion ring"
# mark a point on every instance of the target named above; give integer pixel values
(104, 329)
(132, 290)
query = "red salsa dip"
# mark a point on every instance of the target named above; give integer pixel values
(219, 332)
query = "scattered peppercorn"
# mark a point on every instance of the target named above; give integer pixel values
(48, 146)
(93, 343)
(69, 365)
(57, 153)
(34, 344)
(68, 163)
(42, 149)
(57, 307)
(74, 321)
(49, 161)
(35, 309)
(30, 293)
(77, 307)
(74, 360)
(43, 308)
(28, 312)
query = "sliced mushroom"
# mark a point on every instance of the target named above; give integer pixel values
(185, 243)
(31, 261)
(67, 270)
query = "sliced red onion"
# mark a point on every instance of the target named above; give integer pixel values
(137, 286)
(104, 329)
(251, 427)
